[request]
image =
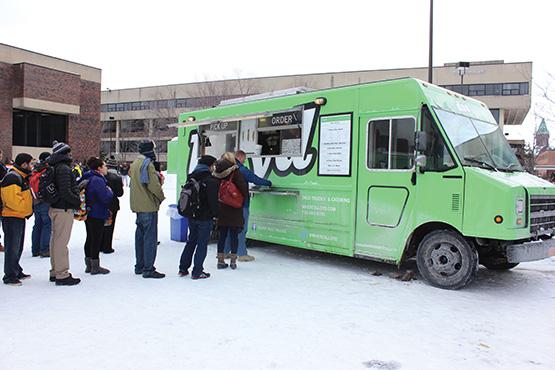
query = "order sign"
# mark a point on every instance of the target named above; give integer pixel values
(335, 146)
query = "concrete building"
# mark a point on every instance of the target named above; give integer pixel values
(43, 98)
(130, 115)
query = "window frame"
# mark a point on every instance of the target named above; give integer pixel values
(390, 119)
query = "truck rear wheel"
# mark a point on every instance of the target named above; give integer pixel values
(446, 260)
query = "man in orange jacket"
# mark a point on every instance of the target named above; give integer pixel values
(17, 205)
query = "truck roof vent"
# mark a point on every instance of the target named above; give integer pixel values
(455, 202)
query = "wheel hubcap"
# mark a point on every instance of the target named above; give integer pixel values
(445, 259)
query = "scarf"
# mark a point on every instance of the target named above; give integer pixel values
(149, 157)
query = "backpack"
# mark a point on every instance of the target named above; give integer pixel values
(229, 194)
(34, 182)
(47, 190)
(80, 214)
(189, 198)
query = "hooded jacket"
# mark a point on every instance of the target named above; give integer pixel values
(208, 196)
(66, 184)
(17, 199)
(229, 216)
(98, 195)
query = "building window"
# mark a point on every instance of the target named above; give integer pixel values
(107, 147)
(129, 146)
(495, 113)
(108, 126)
(516, 88)
(161, 146)
(476, 90)
(38, 129)
(511, 89)
(132, 125)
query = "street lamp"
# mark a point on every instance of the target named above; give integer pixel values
(461, 68)
(430, 61)
(111, 120)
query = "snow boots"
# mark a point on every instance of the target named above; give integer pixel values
(221, 261)
(233, 261)
(97, 269)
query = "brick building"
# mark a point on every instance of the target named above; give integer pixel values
(43, 98)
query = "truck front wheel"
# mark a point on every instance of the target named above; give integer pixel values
(446, 260)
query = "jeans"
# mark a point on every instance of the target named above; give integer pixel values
(233, 233)
(146, 241)
(14, 233)
(42, 229)
(199, 234)
(242, 237)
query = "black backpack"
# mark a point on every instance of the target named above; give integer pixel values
(189, 199)
(48, 192)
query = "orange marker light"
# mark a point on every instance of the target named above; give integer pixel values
(498, 219)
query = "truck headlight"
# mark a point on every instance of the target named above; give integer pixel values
(519, 209)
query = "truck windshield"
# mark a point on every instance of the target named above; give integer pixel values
(478, 143)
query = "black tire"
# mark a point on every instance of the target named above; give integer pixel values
(497, 265)
(446, 260)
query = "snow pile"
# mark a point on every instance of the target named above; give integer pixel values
(290, 309)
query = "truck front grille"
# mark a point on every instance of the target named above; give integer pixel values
(542, 214)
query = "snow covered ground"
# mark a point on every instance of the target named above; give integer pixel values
(289, 309)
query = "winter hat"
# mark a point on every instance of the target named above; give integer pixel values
(146, 146)
(44, 156)
(23, 158)
(207, 160)
(60, 148)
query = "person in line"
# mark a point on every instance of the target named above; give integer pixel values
(42, 229)
(146, 197)
(230, 220)
(17, 202)
(61, 213)
(115, 183)
(3, 172)
(200, 224)
(77, 170)
(98, 196)
(250, 177)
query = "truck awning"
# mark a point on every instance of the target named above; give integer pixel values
(242, 117)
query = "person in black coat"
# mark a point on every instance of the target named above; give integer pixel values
(116, 184)
(200, 224)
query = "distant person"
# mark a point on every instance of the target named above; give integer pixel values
(61, 213)
(3, 172)
(115, 183)
(77, 170)
(240, 157)
(42, 230)
(124, 172)
(146, 197)
(99, 197)
(200, 224)
(230, 219)
(17, 202)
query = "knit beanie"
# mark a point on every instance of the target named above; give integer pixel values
(60, 148)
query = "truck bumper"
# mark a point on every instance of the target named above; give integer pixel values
(531, 251)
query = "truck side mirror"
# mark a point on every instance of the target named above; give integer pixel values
(421, 139)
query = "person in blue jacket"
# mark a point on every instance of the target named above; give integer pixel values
(98, 197)
(250, 177)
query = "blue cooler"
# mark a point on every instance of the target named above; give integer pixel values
(178, 225)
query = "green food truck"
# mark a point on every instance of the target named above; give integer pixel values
(386, 171)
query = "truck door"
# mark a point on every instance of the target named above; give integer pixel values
(385, 193)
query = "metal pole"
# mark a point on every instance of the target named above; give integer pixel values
(430, 62)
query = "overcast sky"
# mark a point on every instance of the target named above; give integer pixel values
(142, 43)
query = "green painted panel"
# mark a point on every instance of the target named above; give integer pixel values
(386, 205)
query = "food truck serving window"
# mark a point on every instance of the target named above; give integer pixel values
(280, 134)
(218, 138)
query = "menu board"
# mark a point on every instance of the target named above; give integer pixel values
(335, 146)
